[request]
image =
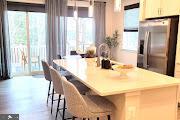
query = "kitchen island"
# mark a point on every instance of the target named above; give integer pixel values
(142, 95)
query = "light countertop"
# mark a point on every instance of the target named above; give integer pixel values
(109, 82)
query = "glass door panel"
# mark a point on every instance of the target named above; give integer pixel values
(85, 33)
(71, 35)
(37, 40)
(18, 40)
(28, 42)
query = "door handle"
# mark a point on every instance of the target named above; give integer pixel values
(146, 50)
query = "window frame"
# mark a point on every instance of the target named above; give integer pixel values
(130, 7)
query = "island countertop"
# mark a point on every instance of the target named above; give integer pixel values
(108, 82)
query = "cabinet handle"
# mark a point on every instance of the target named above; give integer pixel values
(158, 11)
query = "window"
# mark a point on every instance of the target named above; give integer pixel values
(80, 34)
(131, 23)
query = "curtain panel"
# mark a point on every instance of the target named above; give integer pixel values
(99, 17)
(4, 42)
(56, 28)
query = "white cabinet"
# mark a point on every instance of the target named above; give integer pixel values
(142, 10)
(161, 8)
(170, 7)
(152, 8)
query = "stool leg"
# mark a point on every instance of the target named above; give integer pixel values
(58, 106)
(97, 118)
(52, 101)
(64, 107)
(109, 117)
(49, 91)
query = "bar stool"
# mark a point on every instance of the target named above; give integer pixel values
(62, 71)
(47, 75)
(56, 78)
(85, 106)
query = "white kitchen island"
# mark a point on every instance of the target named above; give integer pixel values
(143, 95)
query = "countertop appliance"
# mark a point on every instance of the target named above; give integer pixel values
(157, 45)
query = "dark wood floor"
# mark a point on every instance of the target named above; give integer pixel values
(26, 96)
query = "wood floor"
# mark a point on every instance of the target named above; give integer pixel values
(26, 96)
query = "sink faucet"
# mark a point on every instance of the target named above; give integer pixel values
(102, 48)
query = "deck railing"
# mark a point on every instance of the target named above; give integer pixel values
(17, 52)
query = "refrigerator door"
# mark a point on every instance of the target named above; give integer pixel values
(143, 29)
(157, 45)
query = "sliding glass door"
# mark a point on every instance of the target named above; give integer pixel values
(80, 34)
(27, 37)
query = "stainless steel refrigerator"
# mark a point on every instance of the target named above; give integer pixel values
(157, 45)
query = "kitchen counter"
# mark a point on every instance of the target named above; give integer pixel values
(99, 79)
(143, 95)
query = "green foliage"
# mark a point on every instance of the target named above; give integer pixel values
(112, 41)
(18, 27)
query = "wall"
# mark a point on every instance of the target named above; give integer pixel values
(114, 21)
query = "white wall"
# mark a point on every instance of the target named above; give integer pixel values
(114, 21)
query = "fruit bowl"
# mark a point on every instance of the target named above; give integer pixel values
(123, 69)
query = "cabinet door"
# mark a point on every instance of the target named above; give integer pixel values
(142, 10)
(152, 8)
(170, 7)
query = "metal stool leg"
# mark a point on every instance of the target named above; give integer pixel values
(64, 107)
(52, 100)
(49, 91)
(58, 106)
(109, 117)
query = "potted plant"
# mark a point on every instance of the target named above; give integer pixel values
(90, 53)
(112, 42)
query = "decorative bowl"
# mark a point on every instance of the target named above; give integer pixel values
(123, 69)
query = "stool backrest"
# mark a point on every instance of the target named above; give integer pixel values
(57, 83)
(45, 66)
(75, 102)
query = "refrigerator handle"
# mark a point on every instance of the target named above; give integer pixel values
(146, 42)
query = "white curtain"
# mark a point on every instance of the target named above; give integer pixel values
(56, 28)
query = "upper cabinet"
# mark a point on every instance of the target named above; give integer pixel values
(142, 10)
(170, 7)
(152, 8)
(158, 8)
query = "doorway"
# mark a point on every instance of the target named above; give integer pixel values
(28, 42)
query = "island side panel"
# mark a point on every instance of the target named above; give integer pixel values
(159, 104)
(153, 104)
